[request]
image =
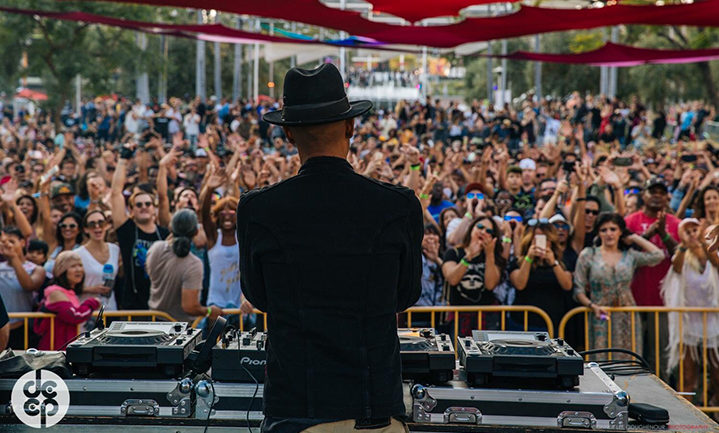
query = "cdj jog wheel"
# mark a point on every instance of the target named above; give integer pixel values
(135, 336)
(519, 347)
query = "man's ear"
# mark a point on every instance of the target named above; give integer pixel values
(349, 128)
(288, 134)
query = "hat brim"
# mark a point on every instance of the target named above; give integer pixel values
(357, 108)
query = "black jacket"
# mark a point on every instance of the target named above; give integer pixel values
(331, 256)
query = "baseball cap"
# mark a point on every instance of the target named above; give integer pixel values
(474, 186)
(686, 221)
(61, 189)
(527, 164)
(559, 218)
(655, 181)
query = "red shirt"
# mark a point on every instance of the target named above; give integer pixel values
(647, 279)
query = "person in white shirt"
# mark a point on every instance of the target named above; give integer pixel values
(101, 260)
(192, 126)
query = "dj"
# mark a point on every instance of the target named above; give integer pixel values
(331, 256)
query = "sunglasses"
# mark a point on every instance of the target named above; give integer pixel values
(141, 204)
(94, 224)
(631, 191)
(489, 230)
(513, 218)
(473, 195)
(533, 222)
(70, 226)
(561, 226)
(592, 212)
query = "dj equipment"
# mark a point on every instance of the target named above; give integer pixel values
(158, 348)
(491, 355)
(120, 397)
(238, 350)
(597, 403)
(427, 357)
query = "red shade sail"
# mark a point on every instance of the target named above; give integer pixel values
(31, 94)
(619, 55)
(525, 21)
(417, 10)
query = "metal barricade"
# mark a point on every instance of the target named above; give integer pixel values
(655, 311)
(235, 311)
(129, 314)
(26, 321)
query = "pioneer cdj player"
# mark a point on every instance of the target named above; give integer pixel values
(159, 348)
(427, 357)
(492, 356)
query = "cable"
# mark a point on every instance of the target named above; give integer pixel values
(249, 373)
(212, 405)
(620, 367)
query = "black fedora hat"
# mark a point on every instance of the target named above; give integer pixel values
(315, 96)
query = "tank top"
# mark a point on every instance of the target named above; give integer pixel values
(94, 275)
(225, 289)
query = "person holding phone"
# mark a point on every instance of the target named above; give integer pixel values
(603, 278)
(474, 201)
(539, 275)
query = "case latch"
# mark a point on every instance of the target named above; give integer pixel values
(462, 415)
(577, 419)
(136, 407)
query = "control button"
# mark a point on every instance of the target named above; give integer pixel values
(246, 341)
(445, 347)
(180, 341)
(426, 333)
(178, 328)
(189, 331)
(570, 352)
(467, 342)
(443, 337)
(560, 341)
(542, 337)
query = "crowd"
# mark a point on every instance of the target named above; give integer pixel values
(555, 203)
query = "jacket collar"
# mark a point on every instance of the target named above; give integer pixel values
(325, 163)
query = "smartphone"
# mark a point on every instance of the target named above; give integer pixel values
(622, 162)
(689, 158)
(541, 241)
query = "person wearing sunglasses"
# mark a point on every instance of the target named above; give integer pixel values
(136, 233)
(539, 275)
(474, 199)
(219, 223)
(473, 269)
(603, 278)
(68, 236)
(100, 259)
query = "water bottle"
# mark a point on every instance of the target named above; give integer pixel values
(107, 277)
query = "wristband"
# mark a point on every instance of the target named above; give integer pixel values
(581, 199)
(464, 262)
(468, 215)
(666, 237)
(506, 240)
(682, 249)
(528, 259)
(424, 196)
(415, 167)
(209, 311)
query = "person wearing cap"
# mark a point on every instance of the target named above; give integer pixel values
(175, 274)
(660, 227)
(693, 281)
(331, 256)
(61, 298)
(529, 168)
(62, 196)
